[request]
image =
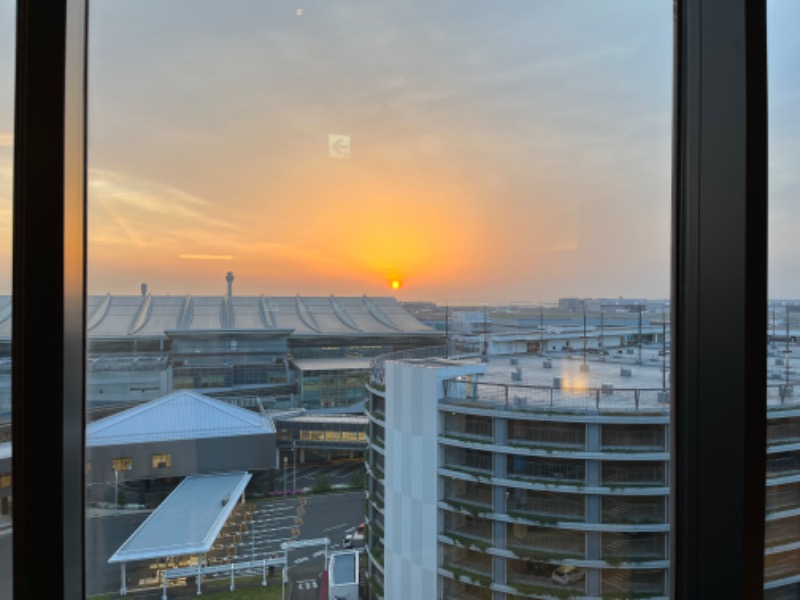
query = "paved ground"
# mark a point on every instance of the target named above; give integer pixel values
(306, 475)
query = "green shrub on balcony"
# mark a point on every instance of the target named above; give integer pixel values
(474, 578)
(543, 590)
(533, 554)
(545, 520)
(472, 509)
(478, 545)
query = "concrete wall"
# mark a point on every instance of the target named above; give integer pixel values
(248, 452)
(411, 481)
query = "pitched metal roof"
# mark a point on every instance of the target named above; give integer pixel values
(182, 415)
(188, 521)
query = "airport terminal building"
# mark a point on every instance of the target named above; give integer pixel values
(267, 350)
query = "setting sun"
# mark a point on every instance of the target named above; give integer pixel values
(395, 284)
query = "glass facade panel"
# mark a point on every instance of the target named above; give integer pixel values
(296, 200)
(781, 561)
(7, 56)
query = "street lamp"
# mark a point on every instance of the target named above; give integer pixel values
(285, 460)
(294, 466)
(116, 488)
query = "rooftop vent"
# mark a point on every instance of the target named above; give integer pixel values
(663, 397)
(514, 361)
(516, 374)
(608, 388)
(548, 364)
(625, 372)
(557, 382)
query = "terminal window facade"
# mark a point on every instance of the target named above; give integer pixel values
(161, 461)
(124, 463)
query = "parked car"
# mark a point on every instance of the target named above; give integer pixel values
(355, 540)
(566, 574)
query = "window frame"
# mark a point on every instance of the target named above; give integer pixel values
(718, 282)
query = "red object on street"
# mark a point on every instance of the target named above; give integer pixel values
(323, 585)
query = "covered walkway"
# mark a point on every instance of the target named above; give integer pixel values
(186, 524)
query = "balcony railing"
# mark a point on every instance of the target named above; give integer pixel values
(640, 438)
(623, 401)
(541, 398)
(634, 511)
(620, 583)
(633, 474)
(550, 435)
(783, 497)
(547, 507)
(539, 543)
(627, 548)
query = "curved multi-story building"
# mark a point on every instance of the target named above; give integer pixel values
(531, 477)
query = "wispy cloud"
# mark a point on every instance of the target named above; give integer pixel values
(205, 256)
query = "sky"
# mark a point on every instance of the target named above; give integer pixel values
(510, 151)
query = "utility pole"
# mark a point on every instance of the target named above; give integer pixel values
(663, 350)
(640, 334)
(485, 336)
(787, 351)
(541, 330)
(446, 331)
(584, 333)
(773, 324)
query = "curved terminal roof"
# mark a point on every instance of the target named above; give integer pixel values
(111, 316)
(188, 521)
(181, 415)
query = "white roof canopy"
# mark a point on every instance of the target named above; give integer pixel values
(188, 521)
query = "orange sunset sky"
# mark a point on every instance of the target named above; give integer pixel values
(498, 151)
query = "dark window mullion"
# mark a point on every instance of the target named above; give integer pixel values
(49, 299)
(719, 299)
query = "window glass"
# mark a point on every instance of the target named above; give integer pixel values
(161, 461)
(7, 55)
(296, 211)
(122, 464)
(781, 560)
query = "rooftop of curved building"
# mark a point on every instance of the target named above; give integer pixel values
(616, 381)
(114, 316)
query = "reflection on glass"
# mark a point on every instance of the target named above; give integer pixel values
(782, 535)
(284, 202)
(7, 54)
